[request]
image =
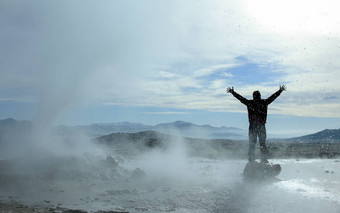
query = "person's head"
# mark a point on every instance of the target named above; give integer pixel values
(256, 95)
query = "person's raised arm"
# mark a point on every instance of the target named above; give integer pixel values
(276, 94)
(236, 95)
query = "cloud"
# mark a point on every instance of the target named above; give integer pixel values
(169, 54)
(291, 17)
(208, 71)
(167, 113)
(167, 75)
(25, 100)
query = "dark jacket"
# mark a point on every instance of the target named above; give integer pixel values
(257, 109)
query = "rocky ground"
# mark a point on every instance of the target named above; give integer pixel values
(160, 182)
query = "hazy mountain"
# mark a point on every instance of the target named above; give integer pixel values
(327, 135)
(10, 123)
(187, 129)
(100, 129)
(179, 128)
(13, 136)
(201, 139)
(10, 127)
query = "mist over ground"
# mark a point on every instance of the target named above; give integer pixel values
(155, 172)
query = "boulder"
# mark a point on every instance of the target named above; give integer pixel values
(257, 170)
(138, 173)
(112, 161)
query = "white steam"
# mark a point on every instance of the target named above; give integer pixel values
(170, 163)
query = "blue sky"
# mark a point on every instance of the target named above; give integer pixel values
(151, 62)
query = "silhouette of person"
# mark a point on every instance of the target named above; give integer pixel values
(257, 116)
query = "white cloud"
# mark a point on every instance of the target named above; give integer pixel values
(209, 70)
(168, 75)
(167, 113)
(301, 17)
(26, 100)
(155, 53)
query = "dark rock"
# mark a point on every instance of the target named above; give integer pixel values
(259, 171)
(138, 173)
(120, 159)
(112, 161)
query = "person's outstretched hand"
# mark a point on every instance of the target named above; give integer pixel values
(283, 87)
(230, 89)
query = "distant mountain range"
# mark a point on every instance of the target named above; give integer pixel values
(327, 135)
(177, 128)
(10, 127)
(100, 129)
(10, 122)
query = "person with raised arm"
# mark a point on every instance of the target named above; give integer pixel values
(257, 116)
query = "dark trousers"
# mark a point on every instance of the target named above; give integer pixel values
(257, 130)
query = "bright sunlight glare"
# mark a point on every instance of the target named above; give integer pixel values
(298, 17)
